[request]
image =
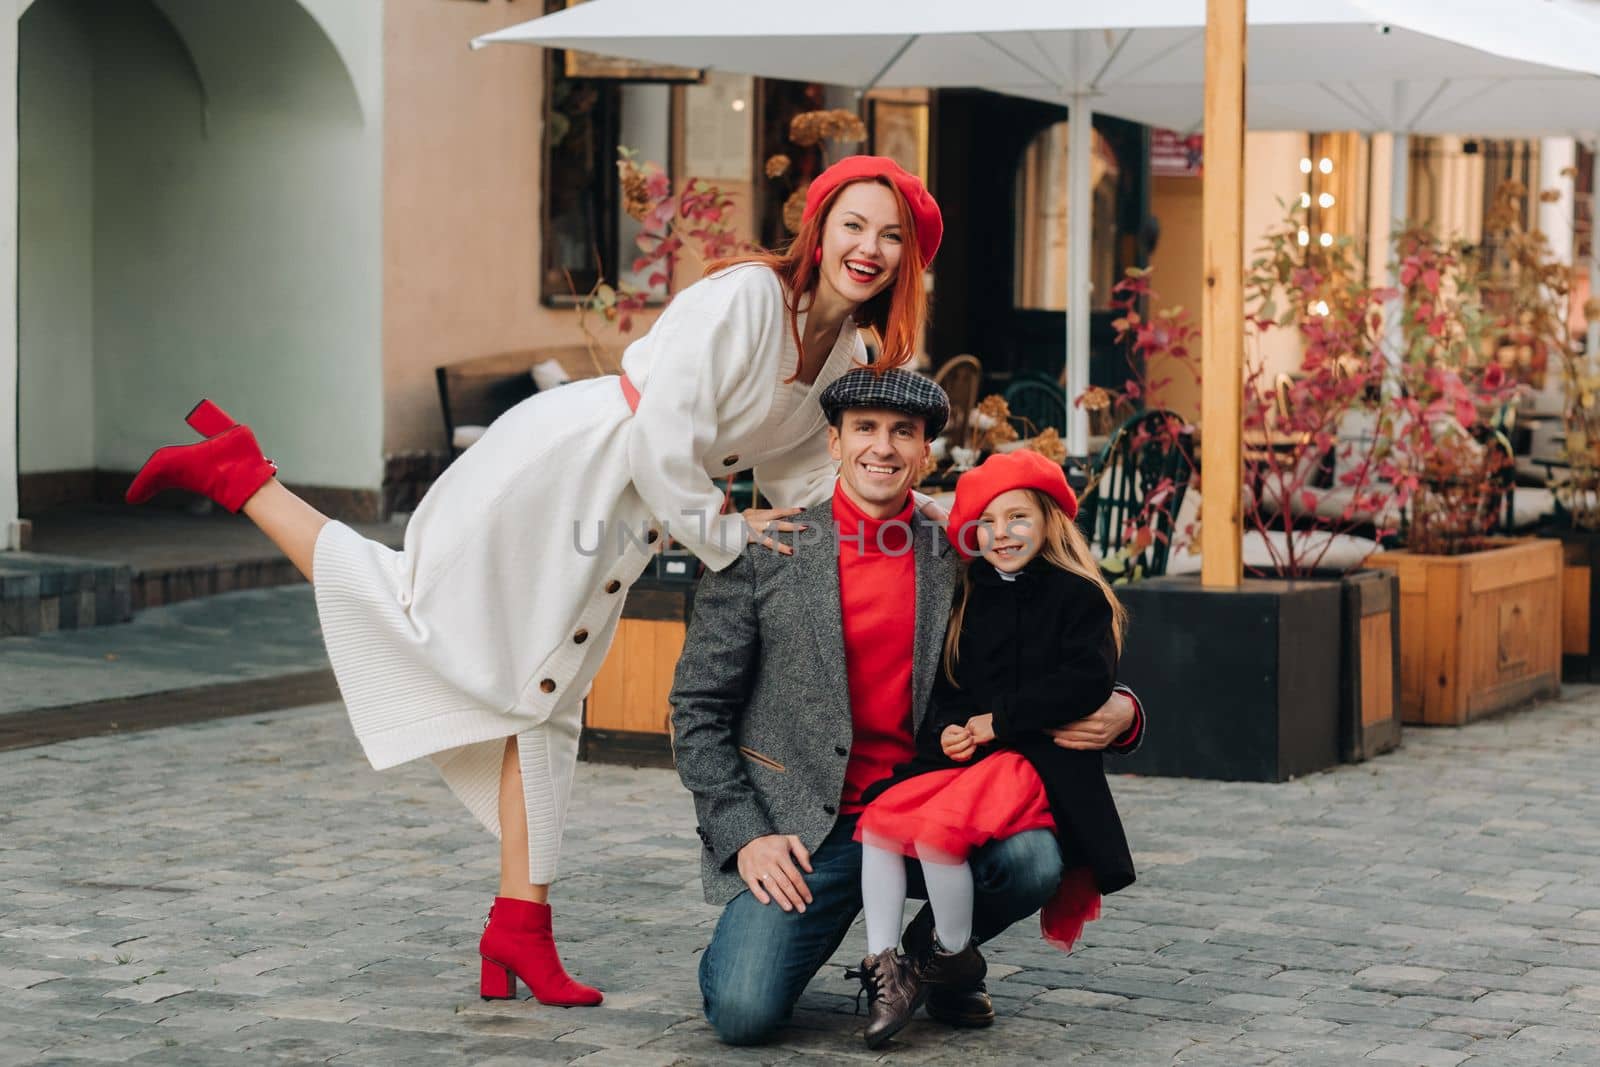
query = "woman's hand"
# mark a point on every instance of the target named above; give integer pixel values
(764, 522)
(982, 729)
(930, 509)
(957, 743)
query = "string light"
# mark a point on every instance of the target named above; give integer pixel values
(1319, 308)
(1305, 164)
(1305, 236)
(1326, 240)
(1325, 200)
(1326, 166)
(1305, 199)
(738, 104)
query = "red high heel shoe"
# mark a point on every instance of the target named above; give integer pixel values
(208, 420)
(228, 466)
(517, 943)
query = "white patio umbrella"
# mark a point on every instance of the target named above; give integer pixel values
(1482, 66)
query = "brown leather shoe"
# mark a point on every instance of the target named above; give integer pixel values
(939, 969)
(954, 1004)
(894, 993)
(965, 1009)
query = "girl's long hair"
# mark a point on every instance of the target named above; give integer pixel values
(895, 314)
(1064, 547)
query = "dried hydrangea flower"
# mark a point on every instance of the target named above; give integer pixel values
(794, 208)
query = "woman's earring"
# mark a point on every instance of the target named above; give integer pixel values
(817, 258)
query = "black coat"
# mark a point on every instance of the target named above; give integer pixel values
(1036, 653)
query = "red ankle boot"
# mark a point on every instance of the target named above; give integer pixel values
(517, 943)
(228, 466)
(208, 420)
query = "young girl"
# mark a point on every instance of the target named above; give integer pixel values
(1032, 644)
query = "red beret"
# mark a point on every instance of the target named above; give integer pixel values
(924, 210)
(1001, 473)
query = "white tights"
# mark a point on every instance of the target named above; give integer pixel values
(883, 894)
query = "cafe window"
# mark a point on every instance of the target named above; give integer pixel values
(1040, 272)
(587, 236)
(789, 166)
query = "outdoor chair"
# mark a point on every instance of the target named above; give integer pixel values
(960, 378)
(1320, 497)
(475, 392)
(1036, 405)
(1146, 453)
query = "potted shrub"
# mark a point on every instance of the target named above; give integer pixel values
(1323, 465)
(1534, 290)
(1482, 613)
(1301, 660)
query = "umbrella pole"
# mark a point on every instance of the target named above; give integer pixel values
(1080, 232)
(1222, 311)
(1399, 194)
(1591, 346)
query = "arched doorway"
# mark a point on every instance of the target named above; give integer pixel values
(999, 165)
(199, 213)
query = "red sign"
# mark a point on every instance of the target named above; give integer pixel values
(1174, 155)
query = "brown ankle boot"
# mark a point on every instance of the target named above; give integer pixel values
(951, 970)
(960, 1005)
(894, 993)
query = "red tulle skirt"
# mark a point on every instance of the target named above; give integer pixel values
(956, 811)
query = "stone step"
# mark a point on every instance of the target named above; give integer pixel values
(42, 594)
(156, 586)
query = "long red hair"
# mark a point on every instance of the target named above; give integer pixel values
(895, 314)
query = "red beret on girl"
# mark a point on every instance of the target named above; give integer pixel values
(924, 211)
(1001, 473)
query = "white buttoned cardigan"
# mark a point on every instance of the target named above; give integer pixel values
(497, 613)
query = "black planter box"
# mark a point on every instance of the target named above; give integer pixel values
(1580, 607)
(1242, 684)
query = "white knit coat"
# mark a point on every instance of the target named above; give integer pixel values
(497, 613)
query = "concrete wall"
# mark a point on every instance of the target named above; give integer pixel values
(237, 241)
(461, 205)
(1272, 173)
(1177, 261)
(8, 288)
(235, 207)
(55, 254)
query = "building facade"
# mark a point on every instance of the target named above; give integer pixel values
(301, 208)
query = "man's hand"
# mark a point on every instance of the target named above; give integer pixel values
(1095, 731)
(767, 866)
(761, 522)
(958, 743)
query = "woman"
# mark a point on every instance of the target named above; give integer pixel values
(475, 644)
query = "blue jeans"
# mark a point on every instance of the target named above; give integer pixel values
(761, 957)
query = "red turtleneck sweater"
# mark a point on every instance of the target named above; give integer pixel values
(878, 595)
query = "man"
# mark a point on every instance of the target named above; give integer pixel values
(802, 682)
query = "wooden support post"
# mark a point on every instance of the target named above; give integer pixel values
(1222, 315)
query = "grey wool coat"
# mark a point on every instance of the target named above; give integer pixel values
(761, 701)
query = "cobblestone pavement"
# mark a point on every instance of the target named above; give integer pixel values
(248, 892)
(258, 633)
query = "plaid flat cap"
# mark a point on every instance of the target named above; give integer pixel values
(893, 390)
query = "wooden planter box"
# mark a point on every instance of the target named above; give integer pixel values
(1580, 603)
(1482, 631)
(1369, 671)
(626, 717)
